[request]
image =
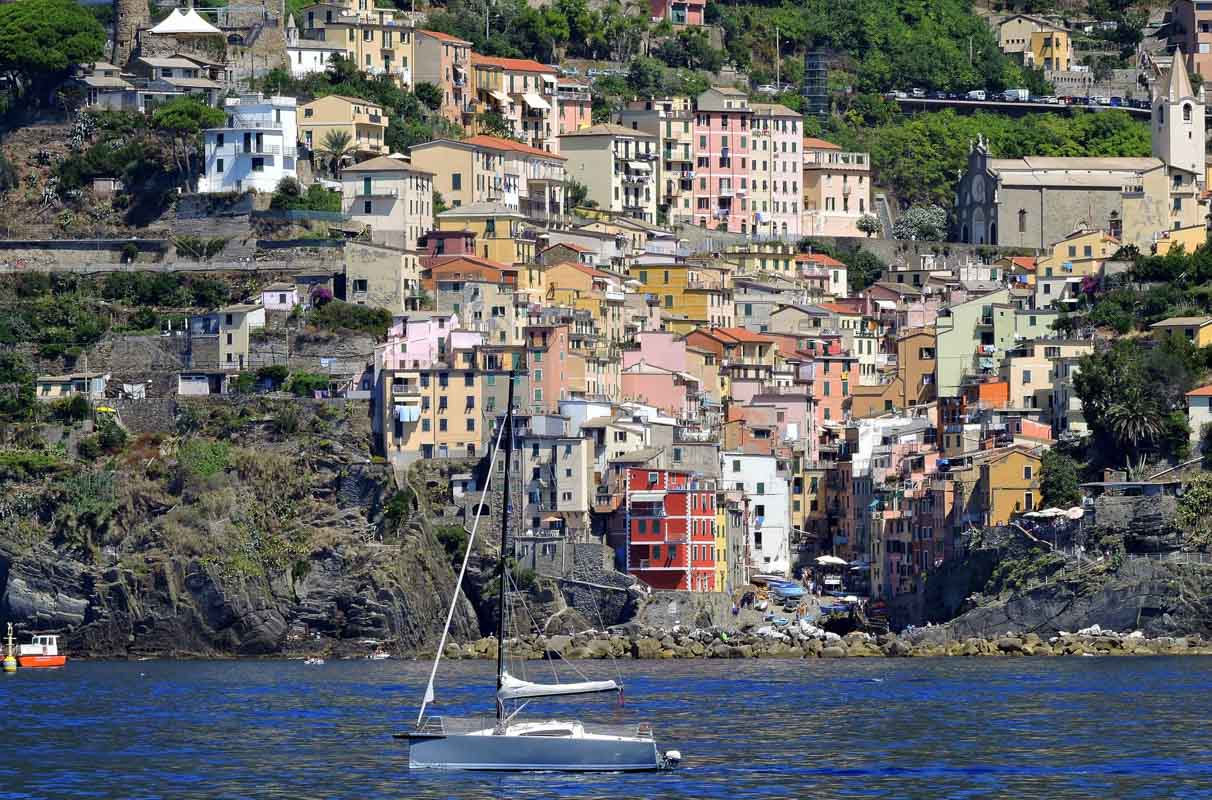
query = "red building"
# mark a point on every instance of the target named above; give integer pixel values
(670, 527)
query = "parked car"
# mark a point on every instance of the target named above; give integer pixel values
(1116, 102)
(976, 94)
(938, 95)
(919, 93)
(768, 88)
(1100, 100)
(1015, 96)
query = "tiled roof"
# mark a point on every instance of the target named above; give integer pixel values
(812, 143)
(1174, 322)
(497, 143)
(607, 129)
(511, 64)
(444, 37)
(576, 248)
(386, 164)
(1203, 391)
(740, 335)
(818, 258)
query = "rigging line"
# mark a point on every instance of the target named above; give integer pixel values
(454, 600)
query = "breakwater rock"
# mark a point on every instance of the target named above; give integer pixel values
(647, 643)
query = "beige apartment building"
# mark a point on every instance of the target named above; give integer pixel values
(364, 122)
(382, 277)
(435, 411)
(391, 197)
(524, 93)
(671, 121)
(1039, 42)
(375, 39)
(488, 169)
(837, 189)
(445, 61)
(616, 165)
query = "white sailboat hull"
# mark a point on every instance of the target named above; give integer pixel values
(563, 747)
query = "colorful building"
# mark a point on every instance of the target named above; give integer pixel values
(670, 523)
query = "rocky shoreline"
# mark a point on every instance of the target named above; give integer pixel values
(645, 643)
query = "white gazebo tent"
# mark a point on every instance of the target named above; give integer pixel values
(185, 22)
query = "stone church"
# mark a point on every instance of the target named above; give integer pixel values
(1037, 201)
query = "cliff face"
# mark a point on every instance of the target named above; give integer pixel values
(260, 531)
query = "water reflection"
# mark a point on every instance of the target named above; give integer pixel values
(1051, 728)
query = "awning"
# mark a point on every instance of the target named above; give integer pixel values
(639, 166)
(647, 497)
(831, 560)
(499, 96)
(549, 78)
(534, 101)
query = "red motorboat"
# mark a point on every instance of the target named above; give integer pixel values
(42, 652)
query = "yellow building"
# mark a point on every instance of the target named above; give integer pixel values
(594, 290)
(1050, 50)
(1189, 238)
(1080, 254)
(1040, 43)
(721, 546)
(374, 39)
(1009, 483)
(778, 257)
(365, 123)
(497, 229)
(690, 295)
(435, 411)
(1195, 329)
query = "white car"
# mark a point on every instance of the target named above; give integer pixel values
(768, 88)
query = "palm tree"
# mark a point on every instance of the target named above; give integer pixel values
(335, 147)
(1133, 419)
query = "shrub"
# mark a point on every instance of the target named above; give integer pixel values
(110, 437)
(22, 464)
(286, 419)
(144, 320)
(204, 458)
(275, 375)
(89, 448)
(306, 384)
(72, 409)
(339, 316)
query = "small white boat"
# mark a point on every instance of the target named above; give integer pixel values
(379, 655)
(506, 743)
(314, 661)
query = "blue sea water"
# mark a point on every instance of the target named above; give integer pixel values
(879, 728)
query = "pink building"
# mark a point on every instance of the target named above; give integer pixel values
(445, 61)
(831, 377)
(774, 167)
(793, 415)
(658, 349)
(679, 12)
(576, 106)
(722, 147)
(415, 341)
(547, 358)
(668, 391)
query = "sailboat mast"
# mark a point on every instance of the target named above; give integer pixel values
(507, 435)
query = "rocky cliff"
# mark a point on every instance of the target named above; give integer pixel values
(258, 528)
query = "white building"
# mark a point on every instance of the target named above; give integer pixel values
(255, 150)
(769, 538)
(308, 56)
(391, 197)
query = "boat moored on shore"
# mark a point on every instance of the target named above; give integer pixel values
(43, 652)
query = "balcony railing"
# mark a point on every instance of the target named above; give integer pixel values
(256, 150)
(377, 191)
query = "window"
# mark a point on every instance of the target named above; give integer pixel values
(761, 488)
(677, 455)
(456, 181)
(471, 424)
(367, 207)
(1028, 501)
(1027, 472)
(1022, 221)
(736, 465)
(1026, 376)
(219, 165)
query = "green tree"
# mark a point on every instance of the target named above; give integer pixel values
(1058, 483)
(430, 94)
(575, 193)
(335, 147)
(922, 223)
(869, 224)
(1133, 419)
(494, 123)
(1194, 515)
(16, 386)
(645, 76)
(42, 40)
(184, 118)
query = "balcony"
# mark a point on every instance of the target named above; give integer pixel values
(256, 150)
(816, 159)
(377, 191)
(405, 389)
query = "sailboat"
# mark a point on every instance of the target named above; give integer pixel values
(508, 743)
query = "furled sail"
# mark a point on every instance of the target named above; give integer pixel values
(514, 689)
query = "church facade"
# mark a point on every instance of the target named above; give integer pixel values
(1037, 201)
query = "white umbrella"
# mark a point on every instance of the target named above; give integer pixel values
(1077, 512)
(831, 560)
(849, 599)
